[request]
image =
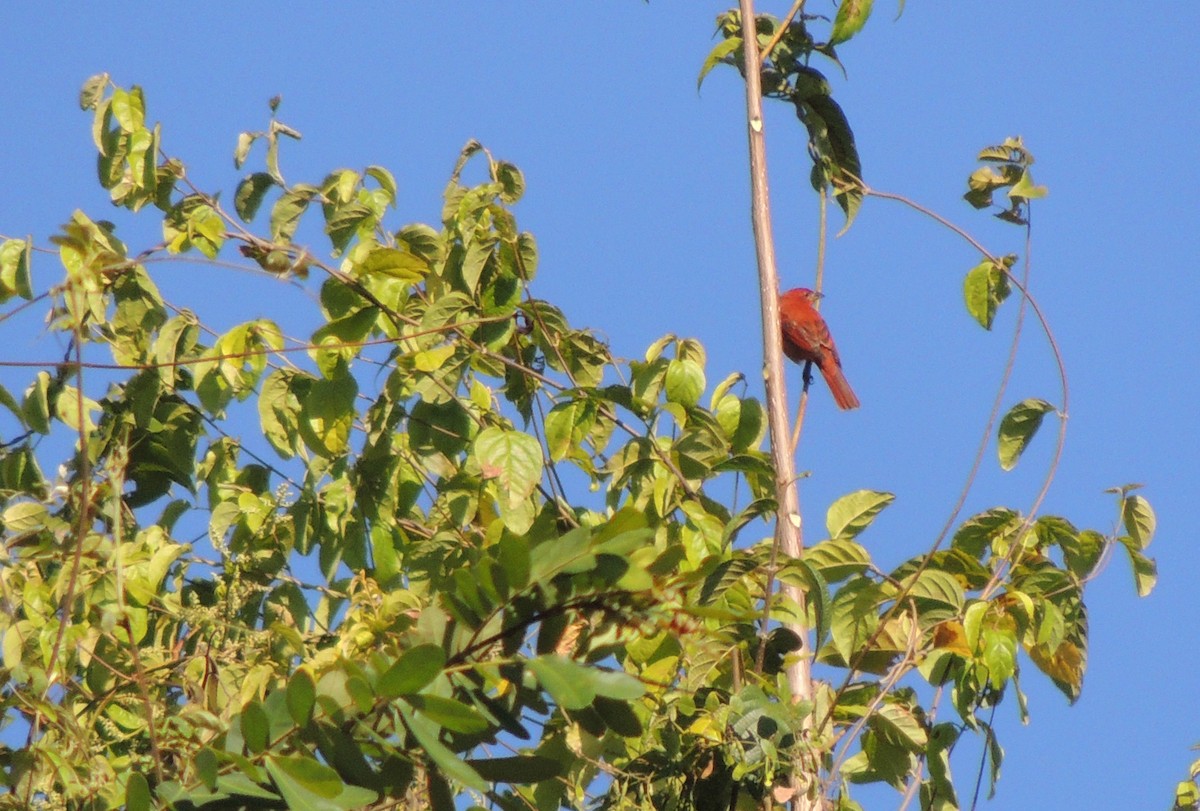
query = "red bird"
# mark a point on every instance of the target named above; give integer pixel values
(806, 338)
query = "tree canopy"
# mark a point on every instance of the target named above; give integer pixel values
(445, 548)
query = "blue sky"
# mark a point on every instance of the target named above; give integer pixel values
(638, 196)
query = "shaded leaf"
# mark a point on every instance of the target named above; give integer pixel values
(449, 713)
(301, 696)
(250, 193)
(570, 684)
(853, 616)
(1017, 429)
(518, 769)
(308, 785)
(454, 768)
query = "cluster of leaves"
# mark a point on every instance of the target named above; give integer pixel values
(472, 618)
(787, 48)
(1187, 792)
(449, 544)
(1008, 582)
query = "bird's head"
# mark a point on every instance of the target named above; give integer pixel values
(810, 296)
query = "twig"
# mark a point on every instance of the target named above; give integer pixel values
(781, 30)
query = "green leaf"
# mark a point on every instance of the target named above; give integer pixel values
(979, 532)
(386, 181)
(426, 733)
(684, 382)
(250, 194)
(301, 697)
(242, 150)
(513, 459)
(15, 255)
(308, 785)
(344, 222)
(287, 211)
(902, 726)
(837, 558)
(567, 425)
(615, 684)
(92, 91)
(69, 409)
(716, 56)
(329, 414)
(834, 153)
(36, 406)
(999, 647)
(851, 17)
(279, 409)
(1025, 189)
(439, 427)
(412, 672)
(1082, 553)
(449, 713)
(394, 264)
(853, 616)
(137, 793)
(569, 683)
(256, 727)
(1139, 520)
(512, 182)
(129, 109)
(937, 586)
(852, 513)
(1145, 570)
(804, 573)
(569, 552)
(1017, 429)
(985, 288)
(518, 769)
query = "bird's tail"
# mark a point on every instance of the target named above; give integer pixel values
(843, 395)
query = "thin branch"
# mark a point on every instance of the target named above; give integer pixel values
(782, 29)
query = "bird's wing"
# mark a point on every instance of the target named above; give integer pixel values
(810, 337)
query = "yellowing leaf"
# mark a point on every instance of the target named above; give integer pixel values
(684, 382)
(984, 289)
(851, 17)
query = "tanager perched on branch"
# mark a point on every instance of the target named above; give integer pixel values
(806, 338)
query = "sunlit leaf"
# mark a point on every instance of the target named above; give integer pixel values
(513, 459)
(412, 672)
(684, 382)
(716, 56)
(852, 513)
(1139, 520)
(985, 288)
(851, 17)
